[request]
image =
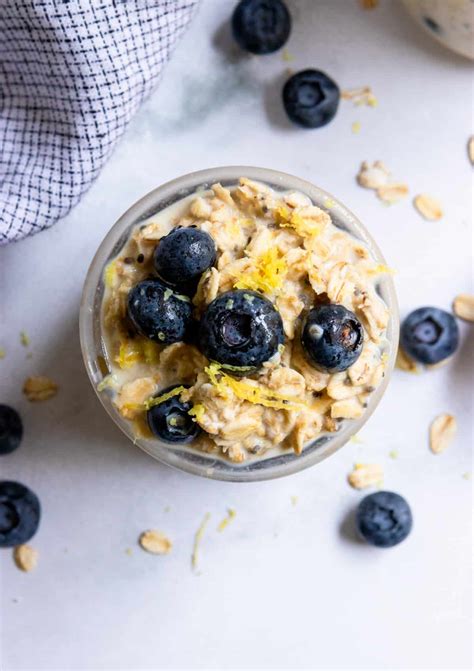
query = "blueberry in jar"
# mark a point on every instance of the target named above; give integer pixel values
(159, 313)
(429, 335)
(170, 420)
(384, 519)
(11, 429)
(311, 98)
(332, 338)
(240, 329)
(261, 26)
(183, 255)
(20, 513)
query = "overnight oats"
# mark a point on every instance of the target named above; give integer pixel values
(241, 323)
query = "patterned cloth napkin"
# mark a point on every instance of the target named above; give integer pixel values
(72, 74)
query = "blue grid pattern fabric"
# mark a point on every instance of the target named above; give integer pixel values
(72, 74)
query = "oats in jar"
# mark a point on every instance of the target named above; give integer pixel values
(242, 322)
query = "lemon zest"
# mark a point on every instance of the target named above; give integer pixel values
(197, 412)
(381, 269)
(157, 400)
(305, 227)
(108, 381)
(247, 392)
(237, 369)
(24, 339)
(231, 513)
(198, 538)
(138, 350)
(268, 274)
(372, 100)
(132, 406)
(109, 273)
(129, 354)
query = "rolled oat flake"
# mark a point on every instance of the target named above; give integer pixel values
(463, 307)
(442, 432)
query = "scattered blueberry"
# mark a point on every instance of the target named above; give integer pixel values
(11, 429)
(261, 26)
(240, 329)
(332, 338)
(20, 513)
(183, 255)
(170, 420)
(429, 335)
(384, 519)
(159, 313)
(311, 98)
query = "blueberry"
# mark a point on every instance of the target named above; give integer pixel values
(261, 26)
(11, 429)
(429, 335)
(240, 329)
(311, 98)
(384, 519)
(170, 420)
(183, 255)
(20, 513)
(332, 338)
(159, 313)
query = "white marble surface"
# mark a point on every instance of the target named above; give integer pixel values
(284, 586)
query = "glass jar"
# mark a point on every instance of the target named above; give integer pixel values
(185, 458)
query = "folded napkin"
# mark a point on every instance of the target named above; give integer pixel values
(72, 74)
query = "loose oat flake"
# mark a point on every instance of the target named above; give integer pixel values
(463, 307)
(369, 4)
(392, 193)
(25, 557)
(428, 207)
(155, 542)
(404, 362)
(470, 149)
(39, 388)
(442, 431)
(365, 475)
(355, 127)
(198, 538)
(373, 176)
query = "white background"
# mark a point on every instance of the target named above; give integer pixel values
(284, 586)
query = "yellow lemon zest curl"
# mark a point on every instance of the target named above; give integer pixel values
(253, 393)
